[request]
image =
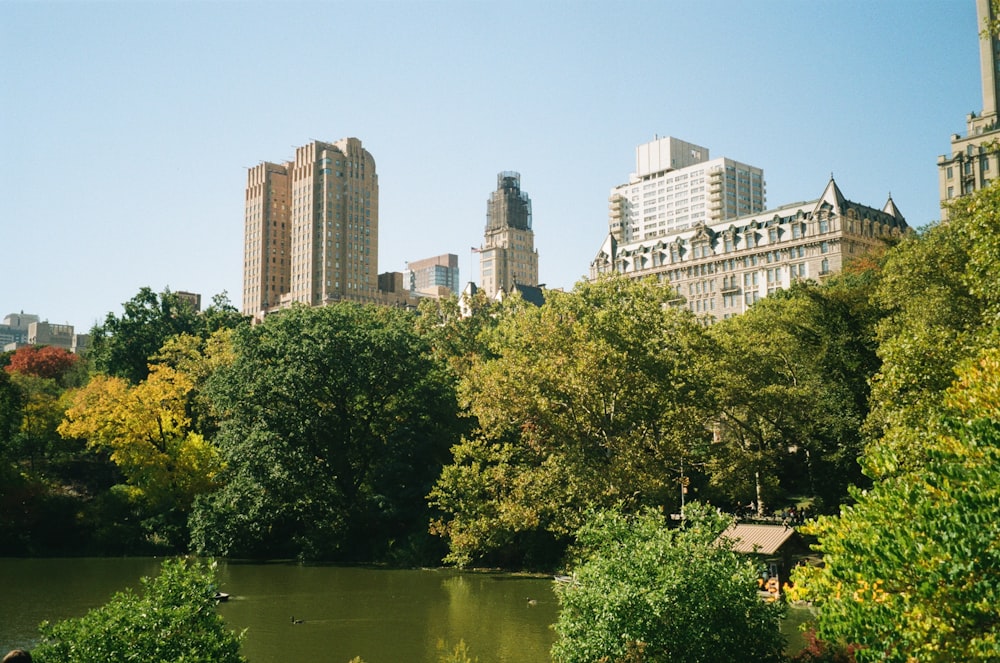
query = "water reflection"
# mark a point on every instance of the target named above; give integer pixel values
(311, 613)
(319, 613)
(386, 616)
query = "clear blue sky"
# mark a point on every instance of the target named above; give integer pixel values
(127, 126)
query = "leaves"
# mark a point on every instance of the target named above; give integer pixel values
(46, 361)
(938, 289)
(334, 422)
(587, 400)
(912, 570)
(123, 345)
(148, 434)
(786, 378)
(173, 620)
(641, 591)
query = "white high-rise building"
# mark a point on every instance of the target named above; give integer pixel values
(676, 186)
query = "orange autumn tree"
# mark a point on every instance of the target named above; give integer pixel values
(47, 361)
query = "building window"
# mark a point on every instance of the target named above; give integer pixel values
(950, 173)
(824, 225)
(796, 230)
(824, 266)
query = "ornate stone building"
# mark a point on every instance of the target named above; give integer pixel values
(508, 256)
(974, 160)
(720, 269)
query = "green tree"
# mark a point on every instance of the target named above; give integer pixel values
(123, 346)
(938, 290)
(912, 570)
(45, 482)
(43, 407)
(642, 592)
(587, 400)
(173, 620)
(198, 358)
(335, 421)
(11, 413)
(221, 314)
(789, 390)
(457, 328)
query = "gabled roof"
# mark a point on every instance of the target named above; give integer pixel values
(890, 208)
(759, 539)
(833, 197)
(530, 293)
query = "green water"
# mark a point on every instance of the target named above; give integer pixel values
(384, 616)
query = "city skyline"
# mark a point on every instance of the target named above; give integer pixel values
(126, 146)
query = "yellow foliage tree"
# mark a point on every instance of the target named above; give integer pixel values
(148, 434)
(912, 569)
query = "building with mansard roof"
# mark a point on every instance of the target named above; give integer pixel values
(720, 269)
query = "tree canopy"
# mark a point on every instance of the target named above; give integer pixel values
(173, 620)
(585, 401)
(122, 345)
(938, 291)
(788, 393)
(46, 361)
(334, 422)
(641, 591)
(147, 433)
(912, 570)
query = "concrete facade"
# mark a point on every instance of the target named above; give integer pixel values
(508, 254)
(14, 329)
(311, 230)
(434, 277)
(974, 159)
(721, 269)
(677, 186)
(20, 329)
(44, 333)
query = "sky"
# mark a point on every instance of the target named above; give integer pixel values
(126, 128)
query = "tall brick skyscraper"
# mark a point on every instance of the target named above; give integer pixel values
(311, 228)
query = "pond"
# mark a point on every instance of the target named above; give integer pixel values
(304, 613)
(384, 616)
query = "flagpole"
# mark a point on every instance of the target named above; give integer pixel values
(472, 252)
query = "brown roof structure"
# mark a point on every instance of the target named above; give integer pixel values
(758, 539)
